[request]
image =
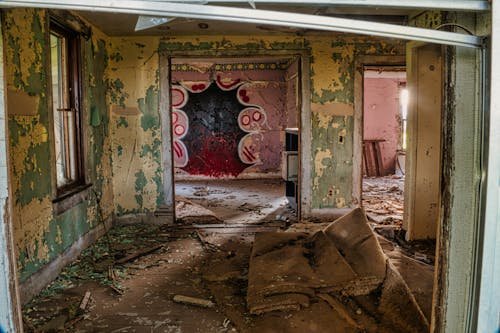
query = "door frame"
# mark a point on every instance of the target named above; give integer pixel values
(304, 119)
(360, 63)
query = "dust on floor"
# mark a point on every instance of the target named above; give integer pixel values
(134, 276)
(134, 273)
(236, 201)
(383, 199)
(383, 202)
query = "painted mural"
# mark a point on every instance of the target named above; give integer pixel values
(216, 127)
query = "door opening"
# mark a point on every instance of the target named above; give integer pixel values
(384, 143)
(231, 118)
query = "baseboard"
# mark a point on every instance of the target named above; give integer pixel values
(158, 217)
(35, 283)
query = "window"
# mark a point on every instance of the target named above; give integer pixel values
(65, 72)
(404, 114)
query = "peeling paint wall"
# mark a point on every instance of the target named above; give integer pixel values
(135, 125)
(332, 114)
(39, 234)
(332, 93)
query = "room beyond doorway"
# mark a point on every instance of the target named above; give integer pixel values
(384, 135)
(230, 119)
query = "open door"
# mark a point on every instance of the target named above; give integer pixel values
(423, 159)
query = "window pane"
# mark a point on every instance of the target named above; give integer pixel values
(65, 130)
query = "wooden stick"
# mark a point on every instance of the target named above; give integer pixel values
(138, 254)
(194, 301)
(85, 301)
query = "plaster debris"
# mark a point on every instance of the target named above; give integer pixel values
(215, 263)
(383, 199)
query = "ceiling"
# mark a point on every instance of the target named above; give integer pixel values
(117, 24)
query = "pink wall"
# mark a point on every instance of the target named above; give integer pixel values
(382, 116)
(265, 89)
(292, 83)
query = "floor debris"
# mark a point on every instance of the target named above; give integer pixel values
(216, 263)
(289, 270)
(383, 199)
(85, 301)
(188, 212)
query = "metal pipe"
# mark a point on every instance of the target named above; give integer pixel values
(256, 16)
(447, 5)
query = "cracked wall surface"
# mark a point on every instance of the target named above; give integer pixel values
(40, 235)
(135, 125)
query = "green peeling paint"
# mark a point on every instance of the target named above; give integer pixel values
(336, 137)
(122, 121)
(61, 233)
(148, 106)
(140, 184)
(42, 237)
(116, 93)
(154, 151)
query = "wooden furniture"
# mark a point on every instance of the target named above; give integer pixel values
(372, 158)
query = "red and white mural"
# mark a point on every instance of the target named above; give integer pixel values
(217, 126)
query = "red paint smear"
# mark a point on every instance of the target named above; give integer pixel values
(217, 157)
(227, 86)
(197, 87)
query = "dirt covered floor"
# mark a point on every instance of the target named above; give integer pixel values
(383, 202)
(137, 278)
(233, 201)
(383, 199)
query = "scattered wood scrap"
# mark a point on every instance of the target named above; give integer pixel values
(85, 301)
(138, 254)
(193, 301)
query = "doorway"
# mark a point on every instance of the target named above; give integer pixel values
(384, 143)
(230, 119)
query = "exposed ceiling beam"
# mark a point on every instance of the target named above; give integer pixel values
(448, 5)
(256, 16)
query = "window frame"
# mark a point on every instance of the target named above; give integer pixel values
(74, 90)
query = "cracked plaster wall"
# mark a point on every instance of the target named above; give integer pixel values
(135, 124)
(39, 234)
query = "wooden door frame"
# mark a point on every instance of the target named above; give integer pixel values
(304, 119)
(360, 63)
